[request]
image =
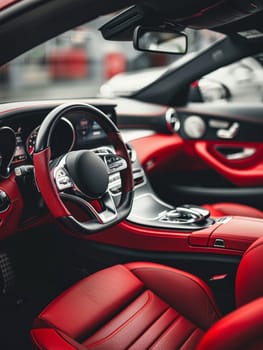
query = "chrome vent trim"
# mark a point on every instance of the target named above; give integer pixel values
(172, 120)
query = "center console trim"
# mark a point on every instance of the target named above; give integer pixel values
(154, 212)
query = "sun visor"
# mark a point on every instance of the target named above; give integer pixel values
(121, 27)
(222, 13)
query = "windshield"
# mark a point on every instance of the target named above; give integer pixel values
(77, 64)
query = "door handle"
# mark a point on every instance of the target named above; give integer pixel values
(238, 153)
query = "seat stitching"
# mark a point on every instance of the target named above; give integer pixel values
(87, 334)
(79, 284)
(59, 334)
(70, 340)
(184, 276)
(52, 326)
(189, 336)
(117, 330)
(169, 329)
(156, 320)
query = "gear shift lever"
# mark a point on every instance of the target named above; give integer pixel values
(187, 214)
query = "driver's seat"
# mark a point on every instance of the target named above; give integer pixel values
(151, 306)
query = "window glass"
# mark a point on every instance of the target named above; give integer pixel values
(79, 62)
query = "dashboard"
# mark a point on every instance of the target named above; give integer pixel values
(19, 129)
(21, 204)
(158, 135)
(161, 137)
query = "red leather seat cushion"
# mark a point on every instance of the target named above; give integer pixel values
(138, 305)
(233, 209)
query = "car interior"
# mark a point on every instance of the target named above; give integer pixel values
(133, 223)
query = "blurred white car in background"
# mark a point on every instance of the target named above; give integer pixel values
(240, 81)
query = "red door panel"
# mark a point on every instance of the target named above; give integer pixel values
(243, 172)
(156, 151)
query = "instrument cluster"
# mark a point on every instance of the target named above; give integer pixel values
(74, 131)
(62, 139)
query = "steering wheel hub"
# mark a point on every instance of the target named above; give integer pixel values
(89, 172)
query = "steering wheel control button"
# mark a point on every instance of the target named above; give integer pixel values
(62, 179)
(64, 183)
(114, 163)
(89, 173)
(61, 173)
(4, 201)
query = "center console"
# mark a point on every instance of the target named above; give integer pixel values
(150, 215)
(149, 210)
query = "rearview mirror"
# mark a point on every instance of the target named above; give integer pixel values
(159, 40)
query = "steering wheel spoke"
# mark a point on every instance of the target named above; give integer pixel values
(108, 212)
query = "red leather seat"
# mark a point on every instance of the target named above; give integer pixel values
(147, 305)
(242, 329)
(233, 209)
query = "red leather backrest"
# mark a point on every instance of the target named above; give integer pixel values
(185, 293)
(249, 278)
(241, 329)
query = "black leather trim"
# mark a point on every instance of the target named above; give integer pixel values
(47, 126)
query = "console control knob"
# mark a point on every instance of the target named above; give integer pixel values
(174, 214)
(204, 212)
(190, 214)
(186, 214)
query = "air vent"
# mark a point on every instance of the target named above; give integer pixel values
(115, 180)
(172, 120)
(4, 201)
(131, 152)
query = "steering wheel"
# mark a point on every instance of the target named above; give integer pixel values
(83, 176)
